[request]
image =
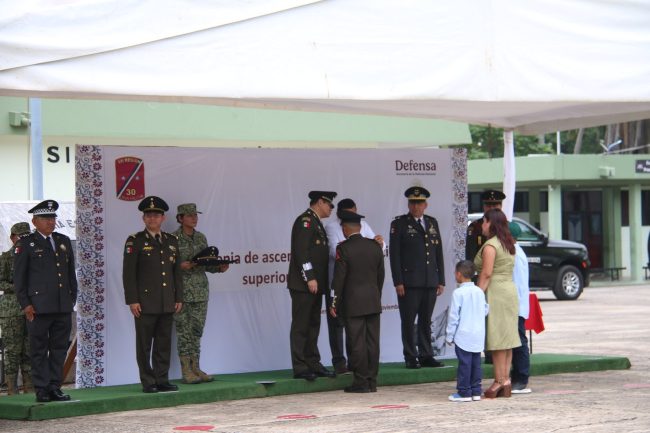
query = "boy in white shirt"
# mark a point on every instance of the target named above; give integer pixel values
(466, 329)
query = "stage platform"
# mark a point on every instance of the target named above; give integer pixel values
(245, 385)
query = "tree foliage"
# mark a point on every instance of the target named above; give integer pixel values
(487, 142)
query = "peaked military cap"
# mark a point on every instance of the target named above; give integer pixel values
(492, 196)
(45, 208)
(20, 229)
(347, 216)
(347, 203)
(417, 193)
(153, 204)
(209, 257)
(187, 209)
(328, 196)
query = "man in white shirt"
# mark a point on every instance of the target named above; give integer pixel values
(520, 355)
(334, 237)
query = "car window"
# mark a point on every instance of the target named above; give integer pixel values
(527, 233)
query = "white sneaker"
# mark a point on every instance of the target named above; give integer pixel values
(476, 398)
(457, 398)
(520, 388)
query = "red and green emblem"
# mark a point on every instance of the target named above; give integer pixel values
(129, 178)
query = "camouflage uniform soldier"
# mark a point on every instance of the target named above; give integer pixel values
(190, 321)
(12, 320)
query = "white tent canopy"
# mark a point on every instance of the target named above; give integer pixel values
(530, 66)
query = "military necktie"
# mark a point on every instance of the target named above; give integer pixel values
(50, 243)
(421, 222)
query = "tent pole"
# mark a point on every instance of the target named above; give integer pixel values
(36, 147)
(509, 174)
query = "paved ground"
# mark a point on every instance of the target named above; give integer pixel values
(604, 321)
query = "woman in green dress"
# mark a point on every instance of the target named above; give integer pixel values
(495, 261)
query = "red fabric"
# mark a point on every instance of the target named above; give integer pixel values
(534, 321)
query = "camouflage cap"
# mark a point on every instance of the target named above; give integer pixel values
(187, 209)
(20, 229)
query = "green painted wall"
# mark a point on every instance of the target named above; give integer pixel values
(7, 105)
(201, 122)
(570, 170)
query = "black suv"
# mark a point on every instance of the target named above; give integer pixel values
(562, 266)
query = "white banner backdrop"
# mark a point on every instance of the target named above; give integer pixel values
(249, 199)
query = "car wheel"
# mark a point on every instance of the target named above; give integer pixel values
(569, 283)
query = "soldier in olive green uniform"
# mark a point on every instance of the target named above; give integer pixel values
(153, 289)
(12, 320)
(357, 283)
(190, 321)
(474, 241)
(307, 281)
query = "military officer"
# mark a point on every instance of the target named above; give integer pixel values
(46, 287)
(335, 236)
(491, 199)
(307, 282)
(12, 320)
(190, 321)
(153, 289)
(357, 283)
(418, 270)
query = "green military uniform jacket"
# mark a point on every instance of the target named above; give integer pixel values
(151, 273)
(474, 240)
(9, 306)
(358, 277)
(195, 282)
(309, 253)
(416, 257)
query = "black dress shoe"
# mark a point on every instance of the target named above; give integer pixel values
(307, 375)
(324, 372)
(149, 389)
(412, 364)
(431, 362)
(356, 389)
(58, 395)
(342, 369)
(166, 387)
(42, 396)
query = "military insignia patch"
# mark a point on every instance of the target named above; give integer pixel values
(62, 247)
(128, 249)
(306, 224)
(129, 178)
(17, 250)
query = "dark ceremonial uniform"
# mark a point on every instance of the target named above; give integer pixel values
(151, 276)
(357, 283)
(416, 261)
(44, 277)
(309, 260)
(474, 239)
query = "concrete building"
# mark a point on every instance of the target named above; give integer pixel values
(602, 201)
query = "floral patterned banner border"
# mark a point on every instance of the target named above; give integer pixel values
(459, 207)
(91, 267)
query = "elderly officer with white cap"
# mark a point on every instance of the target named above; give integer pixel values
(46, 286)
(418, 269)
(153, 289)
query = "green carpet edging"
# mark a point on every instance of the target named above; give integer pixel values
(243, 385)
